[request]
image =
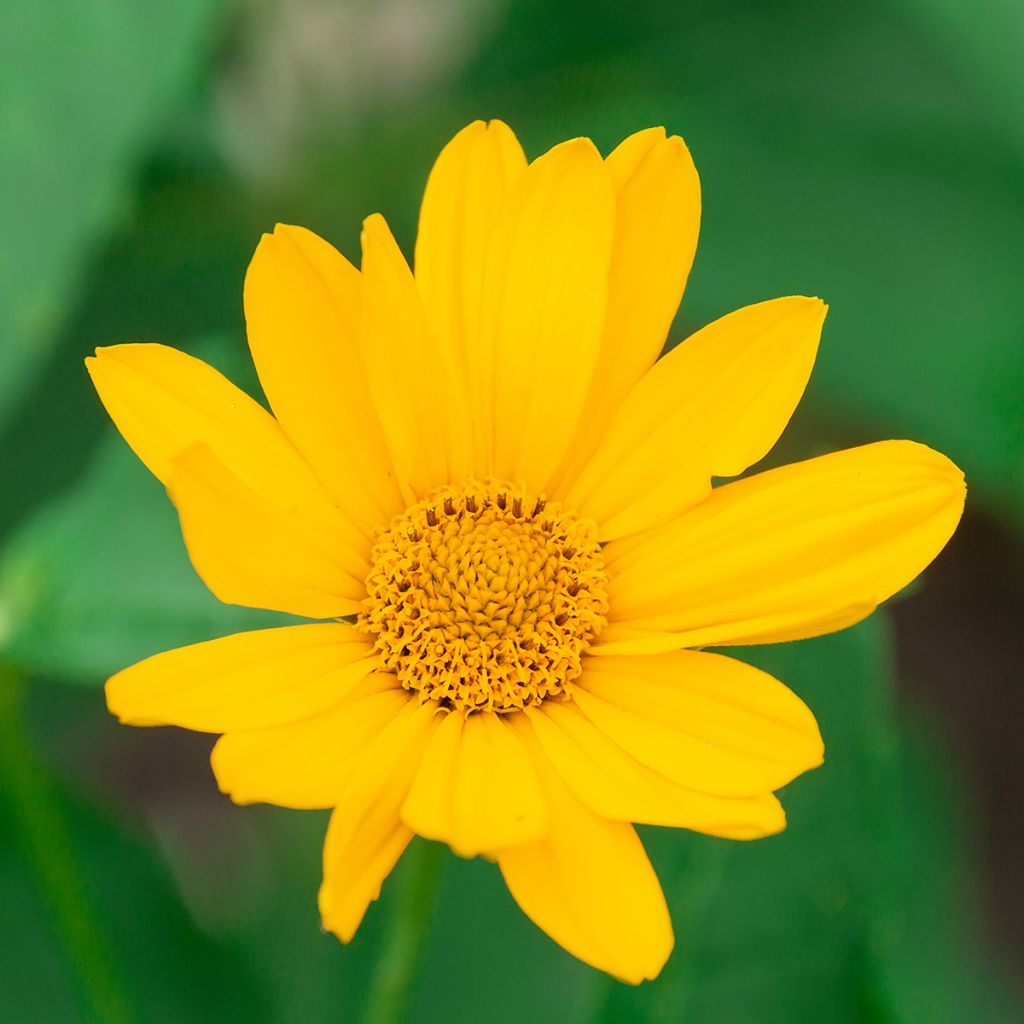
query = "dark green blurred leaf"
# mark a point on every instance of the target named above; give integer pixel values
(85, 84)
(857, 912)
(95, 931)
(101, 578)
(987, 44)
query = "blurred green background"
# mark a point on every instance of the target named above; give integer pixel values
(869, 152)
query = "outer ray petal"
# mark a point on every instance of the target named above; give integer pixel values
(545, 284)
(712, 407)
(657, 220)
(793, 552)
(615, 785)
(244, 681)
(307, 764)
(302, 309)
(252, 552)
(413, 380)
(590, 886)
(366, 836)
(476, 788)
(706, 721)
(465, 190)
(165, 402)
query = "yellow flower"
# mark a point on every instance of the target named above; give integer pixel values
(483, 468)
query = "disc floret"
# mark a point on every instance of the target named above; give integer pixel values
(485, 598)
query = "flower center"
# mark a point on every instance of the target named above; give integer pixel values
(485, 598)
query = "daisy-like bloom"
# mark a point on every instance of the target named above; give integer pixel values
(499, 502)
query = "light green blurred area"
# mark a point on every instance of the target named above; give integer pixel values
(871, 153)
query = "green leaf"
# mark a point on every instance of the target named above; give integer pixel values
(96, 931)
(85, 87)
(824, 922)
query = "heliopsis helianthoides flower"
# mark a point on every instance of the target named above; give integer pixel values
(499, 502)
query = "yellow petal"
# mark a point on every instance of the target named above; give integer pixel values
(615, 785)
(590, 886)
(793, 552)
(165, 402)
(366, 836)
(657, 220)
(307, 763)
(413, 380)
(545, 284)
(708, 722)
(475, 788)
(465, 190)
(713, 406)
(245, 681)
(302, 309)
(252, 552)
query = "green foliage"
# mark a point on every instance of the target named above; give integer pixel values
(85, 86)
(96, 929)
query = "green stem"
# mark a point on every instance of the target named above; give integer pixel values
(399, 959)
(42, 828)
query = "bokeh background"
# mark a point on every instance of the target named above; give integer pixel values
(868, 152)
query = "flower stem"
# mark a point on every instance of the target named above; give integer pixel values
(399, 959)
(42, 829)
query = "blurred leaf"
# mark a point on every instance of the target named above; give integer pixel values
(987, 45)
(927, 967)
(857, 912)
(96, 931)
(265, 906)
(85, 85)
(101, 578)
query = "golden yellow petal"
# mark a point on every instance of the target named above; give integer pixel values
(615, 785)
(244, 681)
(307, 763)
(590, 886)
(252, 552)
(790, 553)
(413, 380)
(466, 188)
(165, 402)
(545, 283)
(302, 309)
(366, 836)
(657, 220)
(708, 722)
(475, 788)
(713, 406)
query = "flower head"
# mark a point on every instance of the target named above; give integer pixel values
(484, 469)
